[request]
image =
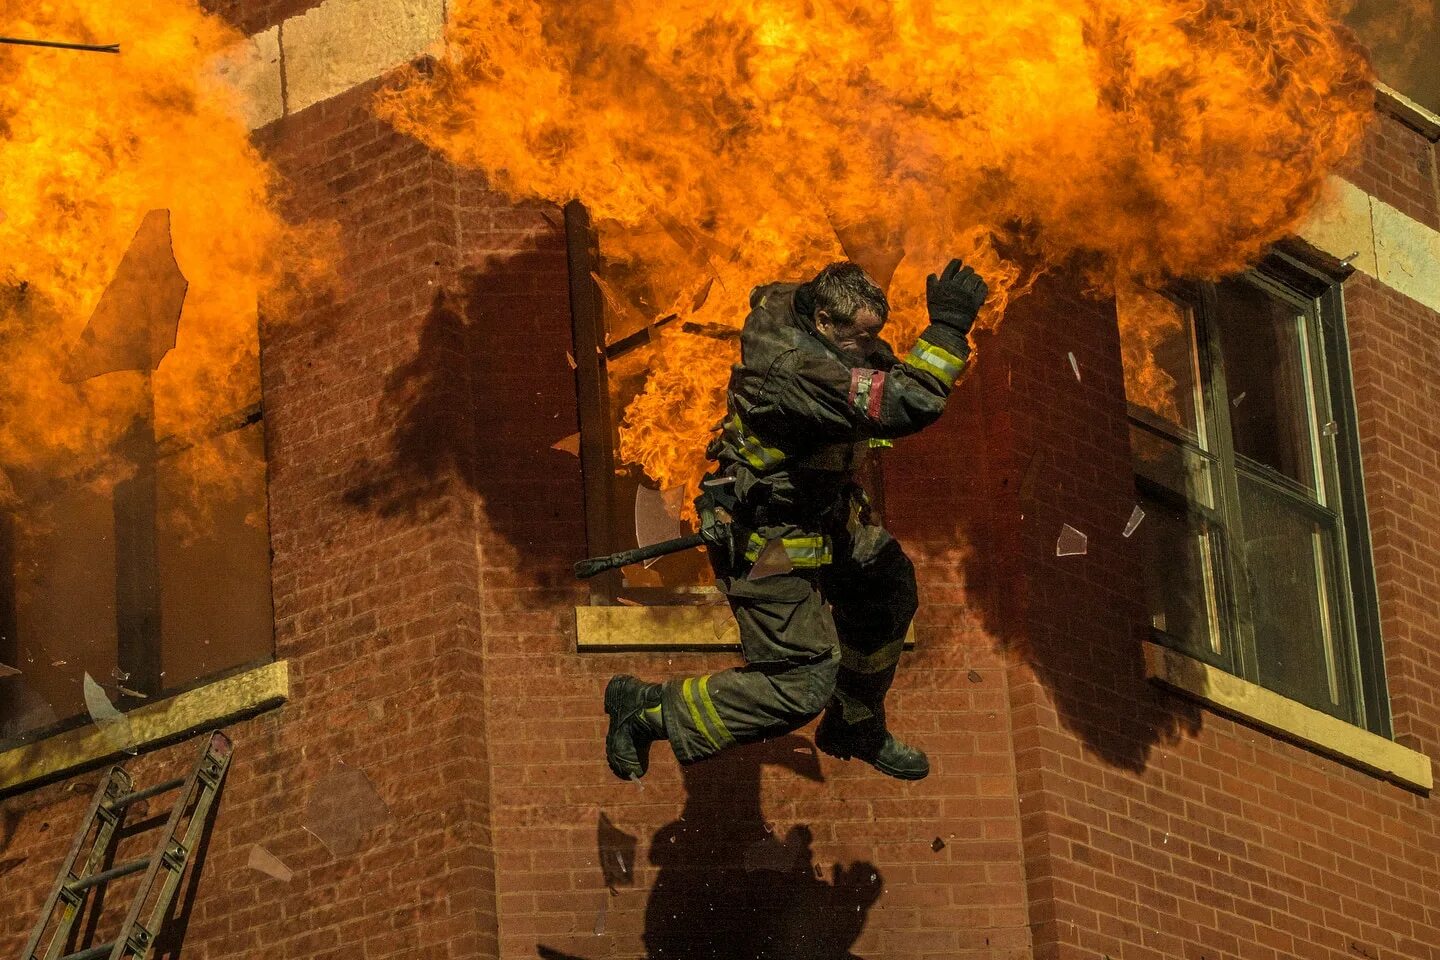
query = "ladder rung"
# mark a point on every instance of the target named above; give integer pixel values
(92, 953)
(148, 792)
(105, 876)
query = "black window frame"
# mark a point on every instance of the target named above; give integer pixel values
(1318, 294)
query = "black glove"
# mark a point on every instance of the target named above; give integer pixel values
(955, 297)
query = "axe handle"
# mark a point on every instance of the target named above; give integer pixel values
(586, 569)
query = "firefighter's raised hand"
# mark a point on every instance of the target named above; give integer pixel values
(955, 297)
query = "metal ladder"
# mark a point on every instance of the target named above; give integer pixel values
(171, 853)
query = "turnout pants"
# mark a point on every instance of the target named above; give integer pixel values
(827, 635)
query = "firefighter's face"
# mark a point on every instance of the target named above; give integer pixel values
(858, 337)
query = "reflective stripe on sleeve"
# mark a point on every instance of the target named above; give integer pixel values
(937, 360)
(751, 448)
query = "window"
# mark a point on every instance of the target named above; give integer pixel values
(145, 564)
(1256, 552)
(622, 507)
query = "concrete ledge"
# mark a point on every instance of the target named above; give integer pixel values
(656, 628)
(1394, 248)
(663, 628)
(1291, 720)
(331, 48)
(1407, 111)
(212, 705)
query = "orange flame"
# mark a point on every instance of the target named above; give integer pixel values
(89, 143)
(741, 142)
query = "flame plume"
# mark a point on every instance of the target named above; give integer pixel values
(88, 145)
(736, 143)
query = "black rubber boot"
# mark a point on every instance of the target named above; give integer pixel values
(875, 745)
(627, 744)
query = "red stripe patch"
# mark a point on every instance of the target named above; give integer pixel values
(877, 393)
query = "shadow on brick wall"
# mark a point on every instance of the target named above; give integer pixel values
(485, 396)
(730, 888)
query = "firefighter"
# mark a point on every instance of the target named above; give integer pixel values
(822, 595)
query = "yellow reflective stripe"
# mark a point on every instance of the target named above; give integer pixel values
(882, 659)
(695, 712)
(711, 712)
(937, 360)
(813, 551)
(755, 453)
(877, 443)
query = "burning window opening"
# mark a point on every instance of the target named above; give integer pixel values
(615, 346)
(1254, 544)
(105, 560)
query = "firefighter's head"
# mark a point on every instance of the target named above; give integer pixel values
(848, 308)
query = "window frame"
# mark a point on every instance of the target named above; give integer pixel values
(139, 641)
(1338, 500)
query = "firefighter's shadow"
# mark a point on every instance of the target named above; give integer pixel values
(732, 887)
(479, 408)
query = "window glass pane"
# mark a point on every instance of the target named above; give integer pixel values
(1158, 350)
(61, 587)
(1181, 593)
(1183, 471)
(1263, 344)
(214, 553)
(1285, 553)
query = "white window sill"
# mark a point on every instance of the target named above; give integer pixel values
(212, 705)
(1292, 720)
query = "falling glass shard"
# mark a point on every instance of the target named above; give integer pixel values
(570, 445)
(654, 520)
(702, 295)
(1071, 543)
(615, 849)
(267, 863)
(974, 676)
(1136, 515)
(570, 359)
(112, 723)
(1074, 366)
(717, 482)
(131, 693)
(600, 917)
(1331, 428)
(8, 671)
(343, 808)
(773, 560)
(938, 845)
(117, 674)
(135, 322)
(638, 782)
(1238, 398)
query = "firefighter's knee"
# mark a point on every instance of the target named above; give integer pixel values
(814, 686)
